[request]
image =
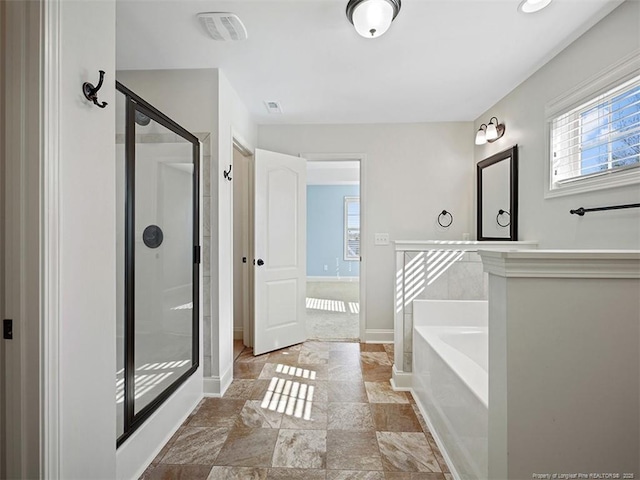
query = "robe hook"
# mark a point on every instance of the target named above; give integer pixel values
(91, 92)
(227, 175)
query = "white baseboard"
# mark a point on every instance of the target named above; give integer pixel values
(216, 386)
(436, 437)
(333, 279)
(401, 381)
(381, 335)
(238, 333)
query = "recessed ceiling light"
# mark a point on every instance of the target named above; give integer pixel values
(532, 6)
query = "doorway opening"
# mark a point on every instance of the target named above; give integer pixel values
(333, 247)
(242, 215)
(277, 215)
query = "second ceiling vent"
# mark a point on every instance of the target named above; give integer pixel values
(224, 27)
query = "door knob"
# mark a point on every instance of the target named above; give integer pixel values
(260, 262)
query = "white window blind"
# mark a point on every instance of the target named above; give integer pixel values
(601, 136)
(352, 228)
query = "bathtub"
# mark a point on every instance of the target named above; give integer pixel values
(451, 380)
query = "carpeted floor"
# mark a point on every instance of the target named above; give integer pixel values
(333, 310)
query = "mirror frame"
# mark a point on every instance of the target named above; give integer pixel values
(510, 153)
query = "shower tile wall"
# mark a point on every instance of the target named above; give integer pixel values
(205, 183)
(436, 275)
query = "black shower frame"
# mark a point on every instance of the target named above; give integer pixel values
(133, 421)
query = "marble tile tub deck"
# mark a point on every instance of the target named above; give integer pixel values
(314, 411)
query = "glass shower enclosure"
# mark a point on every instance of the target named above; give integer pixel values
(158, 257)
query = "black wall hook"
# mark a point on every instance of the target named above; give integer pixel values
(227, 175)
(91, 92)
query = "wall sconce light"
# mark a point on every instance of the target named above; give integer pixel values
(490, 133)
(371, 18)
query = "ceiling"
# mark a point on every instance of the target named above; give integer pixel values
(441, 60)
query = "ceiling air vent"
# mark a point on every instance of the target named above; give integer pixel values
(273, 106)
(225, 27)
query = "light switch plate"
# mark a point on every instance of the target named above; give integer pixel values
(381, 239)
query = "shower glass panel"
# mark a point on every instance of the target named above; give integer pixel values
(163, 259)
(158, 257)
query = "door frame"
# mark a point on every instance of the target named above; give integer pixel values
(361, 159)
(247, 244)
(24, 57)
(3, 433)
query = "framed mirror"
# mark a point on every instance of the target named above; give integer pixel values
(497, 191)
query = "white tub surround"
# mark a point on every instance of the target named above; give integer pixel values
(435, 270)
(564, 356)
(450, 380)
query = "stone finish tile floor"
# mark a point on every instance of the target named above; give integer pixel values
(318, 410)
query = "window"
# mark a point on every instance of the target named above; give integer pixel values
(597, 138)
(352, 228)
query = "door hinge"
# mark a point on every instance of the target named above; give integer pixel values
(7, 329)
(196, 254)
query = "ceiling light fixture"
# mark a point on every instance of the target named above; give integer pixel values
(371, 18)
(490, 133)
(532, 6)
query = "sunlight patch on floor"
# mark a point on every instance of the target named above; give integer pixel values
(327, 305)
(289, 397)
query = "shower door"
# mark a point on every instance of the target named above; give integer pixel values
(158, 259)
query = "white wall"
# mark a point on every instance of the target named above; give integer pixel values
(234, 121)
(87, 253)
(189, 97)
(523, 112)
(412, 173)
(564, 384)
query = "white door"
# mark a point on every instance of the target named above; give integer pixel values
(280, 255)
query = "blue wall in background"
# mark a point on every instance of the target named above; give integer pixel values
(325, 231)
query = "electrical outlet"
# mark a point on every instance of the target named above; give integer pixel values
(326, 268)
(381, 239)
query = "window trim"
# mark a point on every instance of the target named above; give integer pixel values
(622, 71)
(345, 240)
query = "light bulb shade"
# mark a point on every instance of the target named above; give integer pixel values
(492, 132)
(372, 18)
(481, 138)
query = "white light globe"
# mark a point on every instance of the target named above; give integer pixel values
(492, 132)
(481, 138)
(372, 18)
